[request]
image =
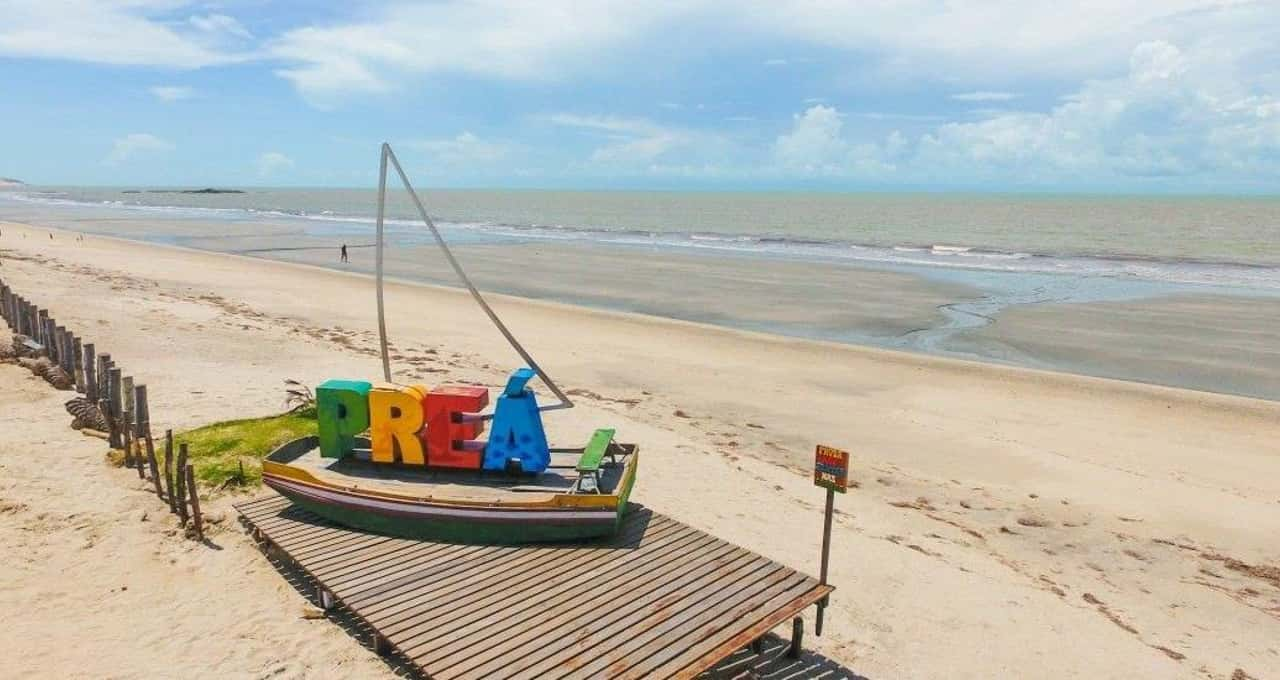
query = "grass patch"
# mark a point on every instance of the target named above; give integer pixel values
(217, 451)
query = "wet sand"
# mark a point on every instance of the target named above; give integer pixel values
(1217, 343)
(1226, 346)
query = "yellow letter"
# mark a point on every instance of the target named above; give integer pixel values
(395, 417)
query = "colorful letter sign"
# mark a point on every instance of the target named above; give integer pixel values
(395, 417)
(831, 468)
(438, 428)
(342, 410)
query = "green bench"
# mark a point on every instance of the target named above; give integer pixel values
(596, 449)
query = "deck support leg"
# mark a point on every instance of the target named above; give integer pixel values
(326, 599)
(797, 638)
(380, 645)
(757, 646)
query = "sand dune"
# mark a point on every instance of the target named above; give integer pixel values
(1006, 522)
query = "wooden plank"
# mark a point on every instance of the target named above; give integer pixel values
(634, 623)
(332, 566)
(363, 587)
(700, 620)
(556, 627)
(357, 562)
(477, 584)
(706, 653)
(476, 646)
(426, 570)
(659, 599)
(496, 598)
(534, 598)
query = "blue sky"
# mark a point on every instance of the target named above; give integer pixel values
(1162, 96)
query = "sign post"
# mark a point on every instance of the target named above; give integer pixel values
(831, 472)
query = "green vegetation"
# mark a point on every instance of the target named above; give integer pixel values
(218, 451)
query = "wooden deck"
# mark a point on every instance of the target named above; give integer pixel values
(660, 599)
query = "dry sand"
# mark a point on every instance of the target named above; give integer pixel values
(1005, 522)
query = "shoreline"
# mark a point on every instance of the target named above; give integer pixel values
(897, 356)
(991, 502)
(989, 317)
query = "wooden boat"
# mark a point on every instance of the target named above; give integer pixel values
(423, 472)
(583, 494)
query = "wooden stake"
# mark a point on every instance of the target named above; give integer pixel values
(116, 405)
(77, 363)
(90, 373)
(142, 416)
(182, 483)
(168, 471)
(42, 315)
(126, 419)
(126, 442)
(59, 356)
(195, 498)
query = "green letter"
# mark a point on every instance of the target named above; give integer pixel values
(342, 409)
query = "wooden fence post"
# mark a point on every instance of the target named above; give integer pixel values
(90, 373)
(116, 406)
(144, 429)
(42, 316)
(126, 419)
(77, 363)
(195, 499)
(169, 490)
(51, 339)
(60, 346)
(104, 362)
(181, 478)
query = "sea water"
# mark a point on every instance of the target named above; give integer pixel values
(1221, 241)
(1002, 251)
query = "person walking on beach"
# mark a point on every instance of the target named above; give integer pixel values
(343, 253)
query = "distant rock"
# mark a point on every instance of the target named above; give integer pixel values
(11, 182)
(194, 191)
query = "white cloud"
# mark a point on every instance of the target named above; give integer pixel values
(630, 139)
(490, 38)
(814, 141)
(552, 39)
(132, 145)
(1175, 114)
(464, 149)
(273, 162)
(220, 25)
(171, 93)
(984, 96)
(816, 145)
(124, 33)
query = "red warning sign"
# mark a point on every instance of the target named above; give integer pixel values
(831, 468)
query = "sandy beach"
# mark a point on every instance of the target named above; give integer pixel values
(1005, 522)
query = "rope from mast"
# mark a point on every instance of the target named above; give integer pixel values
(389, 155)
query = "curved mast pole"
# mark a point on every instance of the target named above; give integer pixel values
(382, 319)
(389, 155)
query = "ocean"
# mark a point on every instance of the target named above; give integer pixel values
(1181, 291)
(1220, 241)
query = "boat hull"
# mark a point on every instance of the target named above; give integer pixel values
(439, 512)
(445, 523)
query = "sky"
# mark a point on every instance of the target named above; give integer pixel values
(1163, 96)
